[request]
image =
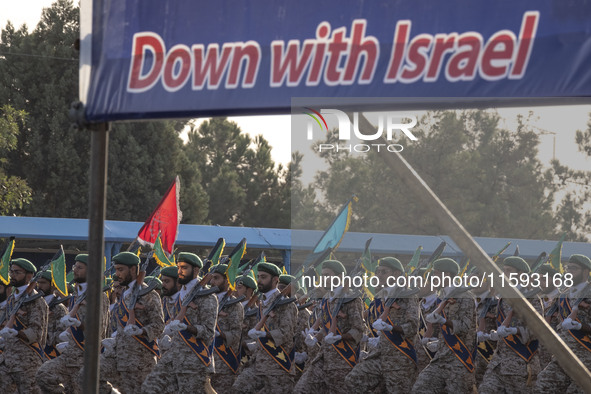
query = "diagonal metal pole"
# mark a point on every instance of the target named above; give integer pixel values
(452, 227)
(99, 141)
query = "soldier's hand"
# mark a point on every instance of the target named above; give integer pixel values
(139, 306)
(68, 321)
(435, 318)
(61, 347)
(65, 336)
(192, 305)
(584, 305)
(255, 334)
(373, 342)
(8, 332)
(310, 341)
(165, 342)
(272, 314)
(481, 336)
(570, 324)
(300, 358)
(222, 314)
(332, 338)
(132, 329)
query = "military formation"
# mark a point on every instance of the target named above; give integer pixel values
(192, 328)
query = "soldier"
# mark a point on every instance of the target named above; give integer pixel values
(486, 309)
(246, 285)
(339, 345)
(63, 372)
(228, 330)
(452, 368)
(394, 360)
(272, 368)
(24, 334)
(575, 328)
(170, 287)
(137, 348)
(426, 341)
(187, 365)
(515, 364)
(57, 310)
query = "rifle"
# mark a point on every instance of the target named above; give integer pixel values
(486, 307)
(197, 291)
(452, 294)
(137, 286)
(227, 300)
(57, 301)
(337, 308)
(279, 300)
(434, 256)
(152, 282)
(398, 294)
(575, 308)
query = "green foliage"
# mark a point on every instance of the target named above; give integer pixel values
(14, 192)
(488, 177)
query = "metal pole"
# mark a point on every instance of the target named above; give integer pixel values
(99, 141)
(567, 359)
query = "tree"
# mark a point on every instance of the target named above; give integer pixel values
(574, 212)
(14, 192)
(238, 174)
(488, 177)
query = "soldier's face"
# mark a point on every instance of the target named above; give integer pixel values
(579, 273)
(267, 282)
(383, 273)
(18, 276)
(186, 273)
(123, 272)
(79, 272)
(44, 286)
(169, 287)
(220, 281)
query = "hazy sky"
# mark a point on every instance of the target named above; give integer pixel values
(560, 119)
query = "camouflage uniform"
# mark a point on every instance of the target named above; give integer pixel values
(426, 306)
(6, 383)
(230, 326)
(302, 324)
(327, 372)
(490, 324)
(446, 373)
(134, 361)
(63, 372)
(180, 370)
(548, 300)
(20, 360)
(507, 371)
(553, 379)
(246, 355)
(386, 363)
(264, 374)
(54, 328)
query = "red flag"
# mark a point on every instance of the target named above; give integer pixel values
(165, 219)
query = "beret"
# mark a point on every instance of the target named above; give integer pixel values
(219, 269)
(286, 279)
(335, 266)
(82, 257)
(247, 281)
(45, 275)
(546, 268)
(581, 260)
(446, 265)
(190, 258)
(269, 268)
(24, 264)
(391, 262)
(171, 271)
(516, 262)
(126, 258)
(148, 279)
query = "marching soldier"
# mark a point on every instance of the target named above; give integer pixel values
(57, 310)
(63, 372)
(272, 368)
(394, 359)
(575, 329)
(228, 330)
(170, 288)
(550, 294)
(426, 341)
(24, 333)
(452, 367)
(486, 309)
(515, 364)
(246, 285)
(187, 365)
(137, 348)
(339, 343)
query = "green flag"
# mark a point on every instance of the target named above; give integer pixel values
(160, 255)
(216, 252)
(556, 254)
(414, 262)
(5, 262)
(234, 262)
(58, 273)
(366, 261)
(496, 255)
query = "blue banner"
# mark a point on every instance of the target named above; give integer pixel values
(186, 58)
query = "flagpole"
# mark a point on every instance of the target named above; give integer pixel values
(97, 203)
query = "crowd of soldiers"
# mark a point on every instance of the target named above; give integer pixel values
(192, 332)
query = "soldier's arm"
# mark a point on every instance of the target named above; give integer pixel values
(36, 330)
(354, 312)
(409, 328)
(105, 318)
(463, 318)
(154, 324)
(286, 317)
(208, 314)
(59, 311)
(236, 314)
